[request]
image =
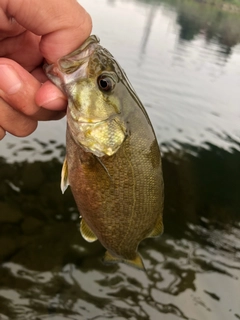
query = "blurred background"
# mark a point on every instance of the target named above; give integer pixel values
(183, 59)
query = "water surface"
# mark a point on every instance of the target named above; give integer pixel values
(183, 59)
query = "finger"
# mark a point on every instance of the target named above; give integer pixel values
(50, 97)
(14, 122)
(39, 74)
(63, 24)
(2, 133)
(9, 26)
(24, 49)
(18, 87)
(45, 115)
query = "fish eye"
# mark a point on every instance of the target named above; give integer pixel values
(105, 83)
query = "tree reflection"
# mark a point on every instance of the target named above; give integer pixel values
(207, 185)
(50, 269)
(190, 27)
(196, 19)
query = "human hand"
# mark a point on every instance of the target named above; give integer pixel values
(30, 31)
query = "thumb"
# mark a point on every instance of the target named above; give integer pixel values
(63, 25)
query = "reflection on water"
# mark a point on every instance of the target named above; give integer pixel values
(184, 62)
(48, 270)
(195, 19)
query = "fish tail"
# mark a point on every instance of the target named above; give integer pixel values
(136, 263)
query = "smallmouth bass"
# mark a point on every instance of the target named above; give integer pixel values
(113, 162)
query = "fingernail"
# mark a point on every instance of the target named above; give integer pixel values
(10, 82)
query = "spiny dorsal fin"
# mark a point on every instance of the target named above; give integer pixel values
(135, 263)
(158, 229)
(86, 232)
(64, 176)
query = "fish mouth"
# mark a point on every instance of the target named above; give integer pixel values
(73, 65)
(71, 62)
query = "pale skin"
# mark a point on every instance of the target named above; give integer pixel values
(31, 31)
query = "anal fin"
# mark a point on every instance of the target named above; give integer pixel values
(64, 176)
(86, 232)
(158, 228)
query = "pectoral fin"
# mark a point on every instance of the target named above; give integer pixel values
(104, 167)
(64, 176)
(136, 262)
(86, 232)
(158, 229)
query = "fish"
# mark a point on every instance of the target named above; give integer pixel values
(113, 161)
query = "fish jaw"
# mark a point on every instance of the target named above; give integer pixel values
(72, 66)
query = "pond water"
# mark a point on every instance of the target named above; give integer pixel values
(183, 59)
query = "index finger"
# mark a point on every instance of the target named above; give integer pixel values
(63, 25)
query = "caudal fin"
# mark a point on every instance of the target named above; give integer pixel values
(135, 263)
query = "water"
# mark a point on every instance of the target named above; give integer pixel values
(183, 59)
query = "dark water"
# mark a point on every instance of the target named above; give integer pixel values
(183, 58)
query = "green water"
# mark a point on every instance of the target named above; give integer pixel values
(183, 59)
